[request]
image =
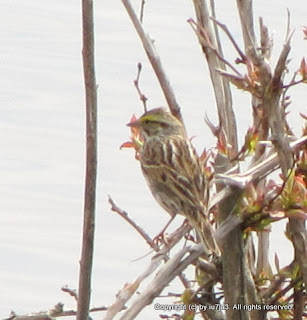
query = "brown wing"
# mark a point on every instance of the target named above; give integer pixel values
(173, 166)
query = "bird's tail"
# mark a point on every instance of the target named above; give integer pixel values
(205, 232)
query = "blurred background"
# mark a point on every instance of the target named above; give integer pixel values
(42, 138)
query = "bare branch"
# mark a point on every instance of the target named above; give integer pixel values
(56, 312)
(245, 9)
(129, 289)
(259, 170)
(155, 62)
(216, 62)
(169, 271)
(86, 261)
(125, 215)
(172, 239)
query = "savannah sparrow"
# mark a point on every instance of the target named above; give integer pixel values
(174, 172)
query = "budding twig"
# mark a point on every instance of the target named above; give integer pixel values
(142, 96)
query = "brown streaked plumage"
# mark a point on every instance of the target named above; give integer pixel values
(174, 172)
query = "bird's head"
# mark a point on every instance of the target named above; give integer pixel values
(158, 122)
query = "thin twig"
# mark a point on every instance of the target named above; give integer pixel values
(155, 62)
(282, 292)
(293, 83)
(142, 96)
(172, 239)
(231, 38)
(274, 286)
(142, 11)
(201, 33)
(125, 215)
(71, 292)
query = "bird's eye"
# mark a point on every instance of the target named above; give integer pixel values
(146, 121)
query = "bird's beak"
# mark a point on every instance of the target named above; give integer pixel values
(134, 124)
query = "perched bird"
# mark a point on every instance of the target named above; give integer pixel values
(174, 172)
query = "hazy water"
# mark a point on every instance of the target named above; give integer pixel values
(42, 137)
